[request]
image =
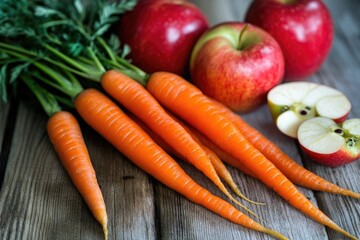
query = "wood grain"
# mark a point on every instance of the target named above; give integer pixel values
(4, 108)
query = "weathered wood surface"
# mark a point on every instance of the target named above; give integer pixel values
(38, 200)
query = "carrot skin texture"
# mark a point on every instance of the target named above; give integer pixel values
(221, 153)
(139, 101)
(291, 169)
(142, 104)
(65, 135)
(215, 160)
(115, 126)
(188, 102)
(217, 163)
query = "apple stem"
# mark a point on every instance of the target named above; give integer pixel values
(241, 37)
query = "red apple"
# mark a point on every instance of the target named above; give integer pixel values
(329, 143)
(237, 64)
(161, 34)
(303, 29)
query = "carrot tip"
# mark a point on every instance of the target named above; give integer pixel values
(274, 234)
(335, 227)
(238, 193)
(104, 224)
(105, 230)
(351, 194)
(348, 234)
(247, 209)
(238, 203)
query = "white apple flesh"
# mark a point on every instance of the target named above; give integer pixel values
(329, 143)
(294, 102)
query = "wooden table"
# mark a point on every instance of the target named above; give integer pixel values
(38, 200)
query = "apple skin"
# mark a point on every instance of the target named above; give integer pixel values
(161, 34)
(347, 153)
(336, 159)
(238, 78)
(303, 29)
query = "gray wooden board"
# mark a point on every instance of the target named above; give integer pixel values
(4, 110)
(38, 200)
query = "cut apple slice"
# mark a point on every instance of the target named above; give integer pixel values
(294, 102)
(329, 143)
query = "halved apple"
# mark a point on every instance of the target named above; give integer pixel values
(294, 102)
(329, 143)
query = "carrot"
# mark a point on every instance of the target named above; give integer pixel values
(158, 140)
(184, 99)
(225, 174)
(215, 160)
(291, 169)
(139, 101)
(221, 153)
(65, 135)
(125, 135)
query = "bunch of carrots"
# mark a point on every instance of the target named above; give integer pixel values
(165, 115)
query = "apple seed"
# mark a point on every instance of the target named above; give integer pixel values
(303, 110)
(350, 142)
(339, 131)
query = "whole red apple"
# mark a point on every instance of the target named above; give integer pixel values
(237, 64)
(161, 34)
(303, 29)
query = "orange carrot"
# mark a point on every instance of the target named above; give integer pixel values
(291, 169)
(217, 163)
(111, 122)
(188, 102)
(139, 101)
(221, 153)
(65, 135)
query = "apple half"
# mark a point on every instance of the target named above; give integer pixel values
(294, 102)
(329, 143)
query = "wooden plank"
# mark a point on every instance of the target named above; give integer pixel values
(39, 201)
(4, 109)
(6, 131)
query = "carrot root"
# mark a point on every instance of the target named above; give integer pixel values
(124, 134)
(172, 151)
(287, 165)
(65, 135)
(184, 99)
(218, 164)
(143, 105)
(335, 227)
